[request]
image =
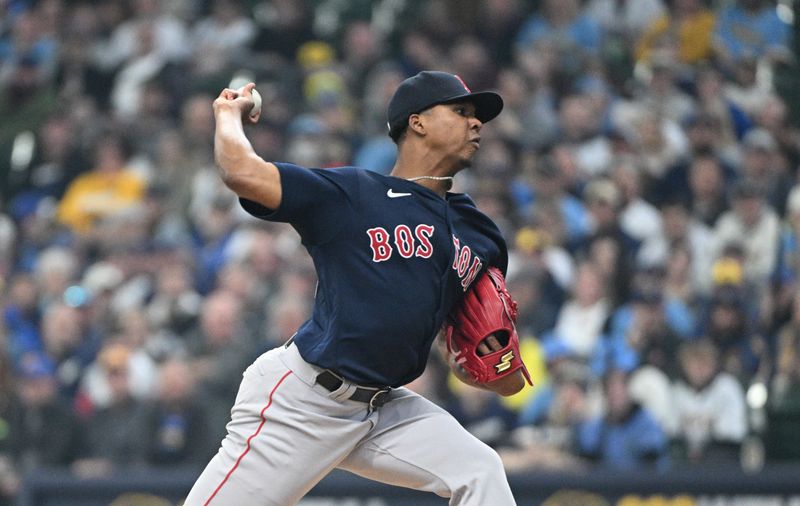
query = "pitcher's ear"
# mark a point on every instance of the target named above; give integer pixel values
(417, 124)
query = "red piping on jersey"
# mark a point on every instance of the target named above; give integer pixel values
(247, 447)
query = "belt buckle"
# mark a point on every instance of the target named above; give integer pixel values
(379, 398)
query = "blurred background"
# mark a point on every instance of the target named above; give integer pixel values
(644, 172)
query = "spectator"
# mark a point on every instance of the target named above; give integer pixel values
(580, 122)
(604, 202)
(651, 388)
(381, 82)
(647, 331)
(707, 199)
(218, 353)
(154, 105)
(684, 34)
(471, 61)
(626, 437)
(773, 116)
(176, 423)
(212, 233)
(751, 29)
(220, 38)
(56, 268)
(710, 407)
(529, 115)
(547, 421)
(747, 90)
(609, 248)
(21, 318)
(638, 218)
(166, 35)
(538, 249)
(544, 185)
(660, 91)
(711, 99)
(562, 25)
(682, 232)
(163, 227)
(37, 230)
(362, 49)
(679, 284)
(173, 174)
(496, 24)
(565, 370)
(68, 342)
(533, 291)
(113, 435)
(108, 187)
(174, 305)
(418, 51)
(285, 315)
(55, 161)
(28, 44)
(730, 322)
(25, 102)
(703, 131)
(283, 26)
(98, 382)
(133, 327)
(237, 279)
(263, 258)
(764, 165)
(43, 430)
(629, 18)
(581, 320)
(96, 296)
(656, 141)
(753, 224)
(196, 124)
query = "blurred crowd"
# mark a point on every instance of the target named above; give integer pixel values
(643, 172)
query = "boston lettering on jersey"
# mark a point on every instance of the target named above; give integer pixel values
(404, 241)
(392, 259)
(465, 263)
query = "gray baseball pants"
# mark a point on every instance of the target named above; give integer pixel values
(287, 432)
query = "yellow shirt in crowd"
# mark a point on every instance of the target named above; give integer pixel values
(96, 195)
(693, 36)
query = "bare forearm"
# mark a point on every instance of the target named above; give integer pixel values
(231, 146)
(240, 168)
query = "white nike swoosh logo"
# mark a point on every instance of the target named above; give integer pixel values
(392, 195)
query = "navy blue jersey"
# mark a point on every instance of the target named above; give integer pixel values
(392, 258)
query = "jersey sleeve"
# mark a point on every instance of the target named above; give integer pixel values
(316, 202)
(498, 256)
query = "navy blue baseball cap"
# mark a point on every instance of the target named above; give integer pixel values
(429, 88)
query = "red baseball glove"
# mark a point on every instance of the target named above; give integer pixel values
(487, 309)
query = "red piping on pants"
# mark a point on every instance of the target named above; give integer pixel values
(247, 447)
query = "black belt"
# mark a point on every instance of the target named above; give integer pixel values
(375, 397)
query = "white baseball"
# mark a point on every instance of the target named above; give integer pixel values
(256, 103)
